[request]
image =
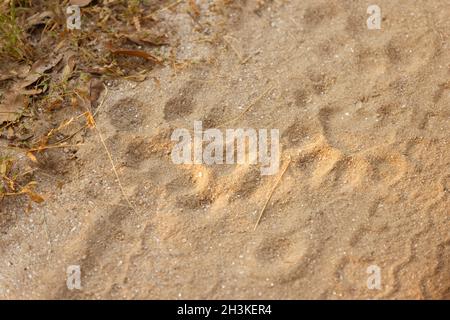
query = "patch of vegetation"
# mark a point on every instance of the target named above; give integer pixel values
(51, 78)
(12, 40)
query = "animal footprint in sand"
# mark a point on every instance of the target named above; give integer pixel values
(182, 104)
(282, 257)
(127, 114)
(352, 130)
(320, 165)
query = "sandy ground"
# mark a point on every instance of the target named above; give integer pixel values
(364, 117)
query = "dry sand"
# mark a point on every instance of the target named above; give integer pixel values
(364, 117)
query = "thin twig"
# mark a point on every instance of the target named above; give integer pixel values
(170, 6)
(250, 56)
(112, 161)
(55, 147)
(44, 220)
(239, 55)
(101, 103)
(271, 193)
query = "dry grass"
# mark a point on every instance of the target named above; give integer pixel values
(13, 45)
(57, 87)
(11, 181)
(119, 39)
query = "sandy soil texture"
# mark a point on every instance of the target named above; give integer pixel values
(364, 118)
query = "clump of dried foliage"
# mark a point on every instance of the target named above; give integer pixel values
(52, 77)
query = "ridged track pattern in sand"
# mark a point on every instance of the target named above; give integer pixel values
(364, 117)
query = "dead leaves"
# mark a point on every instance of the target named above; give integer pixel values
(38, 69)
(40, 18)
(144, 37)
(69, 67)
(9, 185)
(11, 107)
(64, 80)
(17, 96)
(29, 190)
(16, 71)
(81, 3)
